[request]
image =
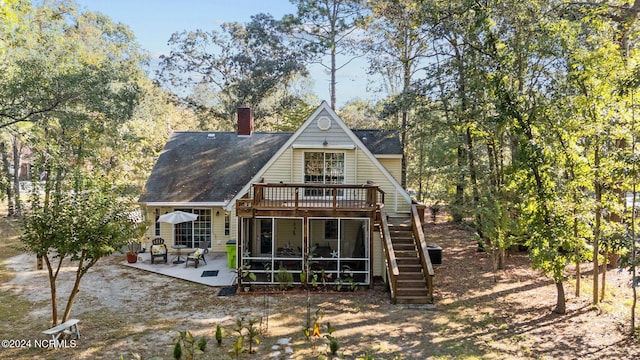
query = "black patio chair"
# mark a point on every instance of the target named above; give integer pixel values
(158, 249)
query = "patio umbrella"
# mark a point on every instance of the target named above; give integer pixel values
(177, 217)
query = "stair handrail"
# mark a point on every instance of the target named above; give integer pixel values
(392, 263)
(425, 260)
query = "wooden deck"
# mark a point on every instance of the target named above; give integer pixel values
(328, 199)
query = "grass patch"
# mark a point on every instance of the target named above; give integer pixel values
(13, 307)
(10, 233)
(13, 310)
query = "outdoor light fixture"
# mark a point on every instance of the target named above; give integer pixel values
(218, 213)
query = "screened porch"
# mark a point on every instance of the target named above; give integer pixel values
(333, 249)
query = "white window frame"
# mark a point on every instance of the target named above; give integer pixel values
(324, 172)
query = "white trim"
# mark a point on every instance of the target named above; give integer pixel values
(188, 204)
(324, 123)
(320, 146)
(388, 156)
(324, 160)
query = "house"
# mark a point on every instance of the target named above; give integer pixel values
(315, 201)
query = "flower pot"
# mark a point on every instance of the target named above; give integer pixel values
(132, 258)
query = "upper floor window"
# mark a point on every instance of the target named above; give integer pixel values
(323, 168)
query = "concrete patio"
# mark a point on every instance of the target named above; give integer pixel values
(215, 261)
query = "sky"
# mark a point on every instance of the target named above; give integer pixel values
(153, 22)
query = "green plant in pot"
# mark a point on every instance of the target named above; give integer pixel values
(134, 245)
(132, 253)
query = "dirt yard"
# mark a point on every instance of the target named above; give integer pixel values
(479, 314)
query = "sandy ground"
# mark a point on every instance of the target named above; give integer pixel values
(479, 314)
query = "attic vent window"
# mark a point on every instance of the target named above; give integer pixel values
(324, 123)
(211, 136)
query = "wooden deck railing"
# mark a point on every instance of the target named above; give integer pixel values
(392, 264)
(296, 196)
(418, 234)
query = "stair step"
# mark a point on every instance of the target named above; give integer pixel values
(400, 233)
(400, 239)
(395, 233)
(412, 253)
(411, 277)
(409, 267)
(408, 259)
(400, 226)
(403, 242)
(407, 299)
(415, 284)
(404, 247)
(424, 292)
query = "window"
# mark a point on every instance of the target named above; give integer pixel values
(227, 224)
(157, 224)
(331, 229)
(323, 168)
(194, 233)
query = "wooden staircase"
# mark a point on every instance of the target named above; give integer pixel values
(412, 286)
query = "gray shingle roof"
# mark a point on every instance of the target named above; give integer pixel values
(214, 166)
(380, 142)
(201, 167)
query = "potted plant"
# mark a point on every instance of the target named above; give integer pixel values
(136, 244)
(132, 253)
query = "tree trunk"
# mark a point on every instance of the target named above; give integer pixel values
(561, 304)
(604, 274)
(52, 285)
(403, 141)
(578, 274)
(598, 221)
(476, 193)
(421, 168)
(333, 77)
(16, 175)
(460, 184)
(501, 259)
(577, 251)
(72, 296)
(7, 175)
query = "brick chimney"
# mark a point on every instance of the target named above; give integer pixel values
(245, 120)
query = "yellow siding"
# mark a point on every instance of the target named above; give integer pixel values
(281, 169)
(393, 166)
(367, 171)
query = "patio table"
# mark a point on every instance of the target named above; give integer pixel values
(178, 259)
